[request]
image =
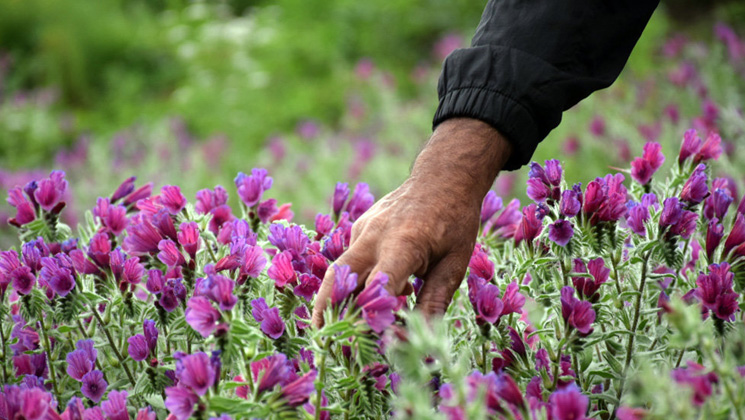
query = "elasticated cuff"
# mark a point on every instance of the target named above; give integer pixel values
(506, 115)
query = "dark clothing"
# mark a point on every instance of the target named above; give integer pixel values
(530, 60)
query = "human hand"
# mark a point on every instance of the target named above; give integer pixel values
(428, 226)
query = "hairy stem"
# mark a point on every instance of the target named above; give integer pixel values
(50, 362)
(322, 377)
(114, 346)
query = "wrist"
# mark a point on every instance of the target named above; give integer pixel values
(464, 156)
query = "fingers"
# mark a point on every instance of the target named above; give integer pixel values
(358, 260)
(399, 264)
(441, 283)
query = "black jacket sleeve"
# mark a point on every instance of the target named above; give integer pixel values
(530, 60)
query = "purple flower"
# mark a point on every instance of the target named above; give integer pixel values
(570, 204)
(19, 402)
(698, 379)
(568, 403)
(695, 189)
(259, 307)
(252, 187)
(22, 279)
(362, 199)
(579, 314)
(169, 253)
(377, 304)
(78, 364)
(138, 347)
(597, 126)
(271, 371)
(50, 190)
(281, 270)
(172, 199)
(488, 304)
(208, 199)
(202, 316)
(324, 225)
(254, 261)
(561, 231)
(341, 193)
(553, 172)
(308, 286)
(94, 386)
(291, 239)
(636, 218)
(24, 208)
(490, 206)
(538, 190)
(266, 209)
(644, 167)
(736, 237)
(334, 245)
(58, 278)
(714, 234)
(672, 211)
(344, 284)
(188, 237)
(142, 238)
(686, 225)
(180, 401)
(508, 390)
(155, 281)
(512, 299)
(480, 264)
(530, 225)
(151, 334)
(717, 204)
(298, 391)
(220, 290)
(272, 325)
(124, 189)
(197, 373)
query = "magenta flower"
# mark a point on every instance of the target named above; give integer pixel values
(51, 190)
(578, 314)
(202, 316)
(636, 218)
(169, 254)
(480, 264)
(172, 199)
(24, 208)
(254, 261)
(270, 371)
(291, 239)
(138, 347)
(341, 193)
(530, 225)
(344, 284)
(208, 199)
(124, 189)
(142, 238)
(507, 389)
(151, 334)
(490, 206)
(568, 403)
(362, 199)
(298, 391)
(377, 304)
(94, 386)
(512, 299)
(197, 373)
(180, 402)
(686, 225)
(488, 304)
(695, 376)
(587, 287)
(736, 237)
(308, 286)
(711, 149)
(220, 290)
(695, 189)
(188, 237)
(506, 223)
(22, 279)
(31, 364)
(561, 232)
(20, 402)
(252, 187)
(334, 245)
(644, 167)
(281, 270)
(324, 225)
(690, 146)
(155, 281)
(672, 212)
(715, 291)
(597, 126)
(58, 278)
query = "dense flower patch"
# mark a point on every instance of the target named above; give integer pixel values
(616, 299)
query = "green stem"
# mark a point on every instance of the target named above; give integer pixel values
(634, 325)
(50, 362)
(4, 352)
(322, 377)
(113, 346)
(484, 350)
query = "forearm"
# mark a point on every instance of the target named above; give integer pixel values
(463, 156)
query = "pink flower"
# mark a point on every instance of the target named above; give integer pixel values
(172, 199)
(201, 315)
(281, 270)
(377, 304)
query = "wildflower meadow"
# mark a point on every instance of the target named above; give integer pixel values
(607, 280)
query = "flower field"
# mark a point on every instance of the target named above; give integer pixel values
(607, 280)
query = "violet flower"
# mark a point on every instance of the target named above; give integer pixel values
(490, 206)
(578, 314)
(711, 149)
(58, 278)
(208, 199)
(298, 391)
(695, 189)
(323, 225)
(341, 193)
(700, 381)
(51, 190)
(512, 300)
(308, 285)
(254, 261)
(690, 145)
(142, 238)
(644, 167)
(636, 218)
(570, 205)
(24, 209)
(561, 232)
(252, 187)
(138, 347)
(344, 284)
(488, 303)
(568, 403)
(736, 238)
(714, 234)
(270, 371)
(188, 238)
(272, 325)
(480, 264)
(362, 199)
(180, 402)
(715, 291)
(717, 204)
(169, 254)
(220, 290)
(78, 364)
(94, 385)
(124, 189)
(334, 245)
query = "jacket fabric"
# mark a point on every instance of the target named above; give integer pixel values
(530, 60)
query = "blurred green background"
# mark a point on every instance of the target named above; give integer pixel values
(318, 91)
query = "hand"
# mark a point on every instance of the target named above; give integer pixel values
(428, 226)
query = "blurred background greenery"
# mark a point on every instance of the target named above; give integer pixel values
(318, 91)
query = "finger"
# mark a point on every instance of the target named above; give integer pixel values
(358, 260)
(441, 283)
(399, 265)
